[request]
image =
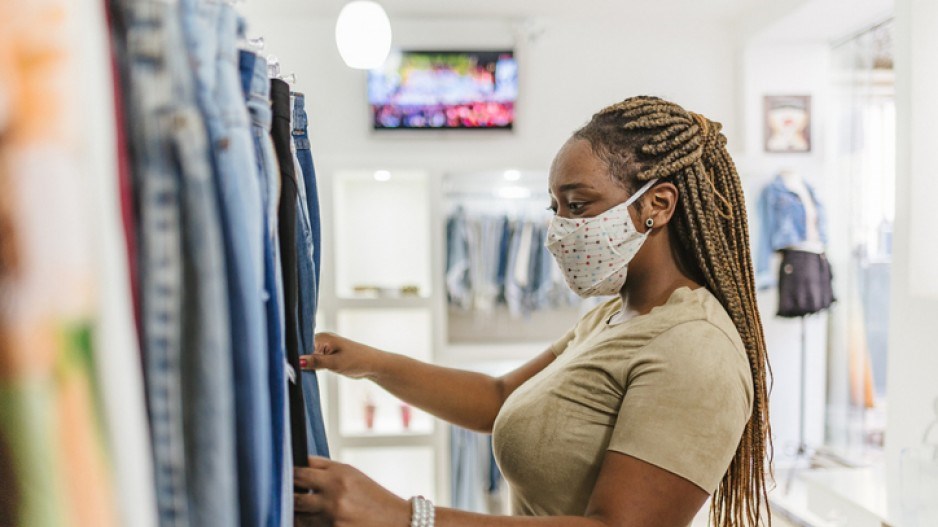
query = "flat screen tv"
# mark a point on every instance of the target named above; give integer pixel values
(444, 90)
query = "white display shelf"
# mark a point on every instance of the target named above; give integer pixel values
(382, 232)
(386, 412)
(404, 302)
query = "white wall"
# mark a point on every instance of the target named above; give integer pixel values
(771, 68)
(913, 352)
(574, 69)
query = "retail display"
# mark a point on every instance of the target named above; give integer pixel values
(793, 222)
(499, 260)
(212, 191)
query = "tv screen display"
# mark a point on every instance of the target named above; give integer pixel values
(444, 90)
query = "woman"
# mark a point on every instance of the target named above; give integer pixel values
(656, 399)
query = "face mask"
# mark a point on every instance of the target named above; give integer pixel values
(594, 253)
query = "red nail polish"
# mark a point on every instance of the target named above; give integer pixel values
(302, 363)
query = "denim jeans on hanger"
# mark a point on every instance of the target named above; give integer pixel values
(305, 157)
(288, 214)
(180, 254)
(306, 234)
(211, 30)
(256, 87)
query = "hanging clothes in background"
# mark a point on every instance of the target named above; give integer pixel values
(308, 249)
(496, 260)
(476, 481)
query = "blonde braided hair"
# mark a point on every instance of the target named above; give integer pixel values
(644, 138)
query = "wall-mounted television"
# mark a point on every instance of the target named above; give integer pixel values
(444, 90)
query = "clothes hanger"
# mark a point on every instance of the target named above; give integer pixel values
(254, 44)
(273, 67)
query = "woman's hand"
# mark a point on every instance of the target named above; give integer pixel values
(344, 497)
(341, 355)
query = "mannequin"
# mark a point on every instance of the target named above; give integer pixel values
(793, 226)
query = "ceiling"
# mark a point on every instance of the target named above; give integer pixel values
(827, 20)
(706, 10)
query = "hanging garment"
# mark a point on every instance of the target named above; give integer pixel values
(804, 284)
(172, 188)
(458, 285)
(782, 218)
(211, 31)
(119, 369)
(287, 217)
(305, 158)
(474, 475)
(308, 232)
(484, 240)
(55, 460)
(256, 86)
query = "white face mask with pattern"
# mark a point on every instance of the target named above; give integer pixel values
(594, 253)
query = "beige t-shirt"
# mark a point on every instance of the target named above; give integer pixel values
(672, 388)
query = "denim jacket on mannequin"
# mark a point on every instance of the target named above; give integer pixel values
(782, 219)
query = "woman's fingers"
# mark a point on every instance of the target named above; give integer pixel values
(310, 478)
(319, 462)
(309, 503)
(317, 362)
(324, 343)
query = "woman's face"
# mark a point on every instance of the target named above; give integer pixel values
(581, 185)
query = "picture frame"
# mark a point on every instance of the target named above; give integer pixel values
(787, 124)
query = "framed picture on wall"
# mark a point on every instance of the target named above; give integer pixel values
(787, 124)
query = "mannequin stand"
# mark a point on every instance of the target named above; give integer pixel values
(802, 452)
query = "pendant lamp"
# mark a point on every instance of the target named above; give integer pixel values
(363, 34)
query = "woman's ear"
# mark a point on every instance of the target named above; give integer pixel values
(659, 204)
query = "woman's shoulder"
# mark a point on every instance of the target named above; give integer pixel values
(701, 347)
(692, 313)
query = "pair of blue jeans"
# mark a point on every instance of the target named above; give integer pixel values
(308, 236)
(256, 88)
(211, 29)
(182, 274)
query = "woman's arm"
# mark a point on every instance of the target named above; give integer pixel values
(467, 399)
(628, 493)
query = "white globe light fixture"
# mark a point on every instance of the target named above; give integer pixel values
(363, 34)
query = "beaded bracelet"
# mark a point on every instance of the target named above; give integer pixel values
(423, 513)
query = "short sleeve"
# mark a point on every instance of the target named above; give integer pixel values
(687, 400)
